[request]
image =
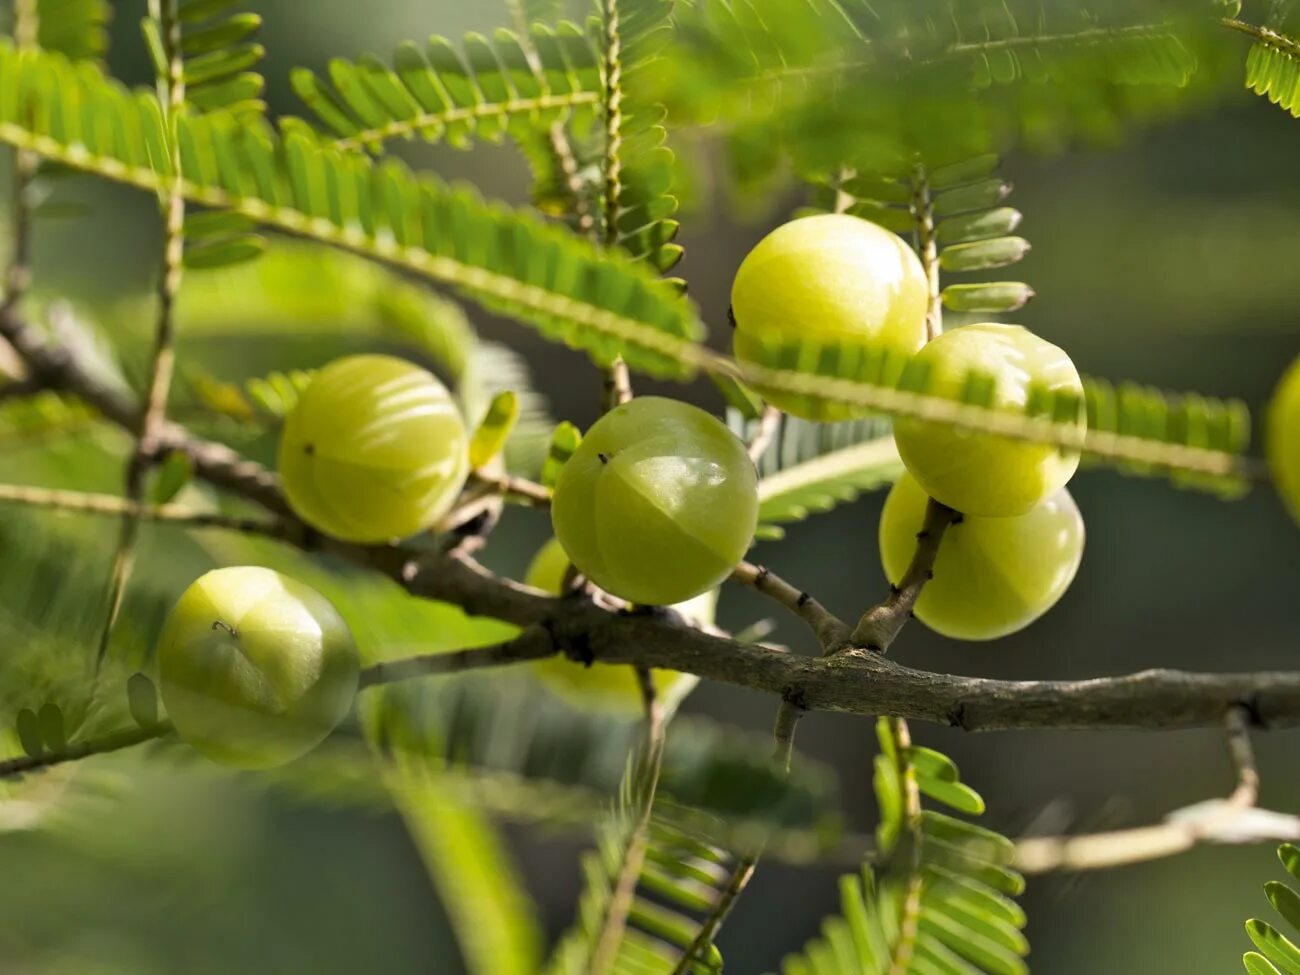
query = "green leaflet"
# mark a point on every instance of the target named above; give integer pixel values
(77, 28)
(1198, 441)
(508, 261)
(495, 921)
(1271, 70)
(1277, 953)
(436, 93)
(976, 71)
(966, 921)
(681, 881)
(490, 435)
(810, 468)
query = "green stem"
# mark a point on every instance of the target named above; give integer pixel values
(171, 95)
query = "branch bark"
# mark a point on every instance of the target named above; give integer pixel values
(852, 681)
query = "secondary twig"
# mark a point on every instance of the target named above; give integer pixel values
(830, 630)
(787, 720)
(171, 96)
(909, 851)
(927, 249)
(111, 742)
(882, 623)
(111, 504)
(557, 135)
(852, 681)
(1217, 821)
(644, 784)
(533, 644)
(768, 423)
(487, 483)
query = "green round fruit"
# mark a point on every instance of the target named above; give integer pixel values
(980, 473)
(658, 503)
(374, 450)
(993, 576)
(612, 686)
(255, 668)
(1283, 435)
(822, 279)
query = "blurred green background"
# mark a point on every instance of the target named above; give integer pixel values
(1168, 260)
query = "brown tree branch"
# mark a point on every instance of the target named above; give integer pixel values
(1217, 821)
(111, 742)
(53, 367)
(852, 681)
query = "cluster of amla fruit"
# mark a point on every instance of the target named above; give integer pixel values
(658, 503)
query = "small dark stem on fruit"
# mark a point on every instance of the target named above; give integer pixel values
(881, 624)
(604, 459)
(222, 625)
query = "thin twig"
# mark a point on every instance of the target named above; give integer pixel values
(557, 135)
(830, 630)
(927, 249)
(768, 423)
(645, 781)
(111, 504)
(787, 720)
(111, 742)
(909, 851)
(851, 681)
(1218, 821)
(612, 111)
(171, 96)
(881, 624)
(487, 483)
(533, 644)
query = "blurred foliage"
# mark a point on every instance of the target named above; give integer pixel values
(160, 864)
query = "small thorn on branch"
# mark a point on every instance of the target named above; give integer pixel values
(830, 630)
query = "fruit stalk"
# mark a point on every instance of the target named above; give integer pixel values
(881, 624)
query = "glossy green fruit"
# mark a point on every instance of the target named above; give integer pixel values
(255, 668)
(1283, 435)
(374, 450)
(993, 576)
(826, 278)
(658, 503)
(978, 473)
(611, 686)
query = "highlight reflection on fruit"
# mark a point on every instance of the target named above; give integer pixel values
(992, 576)
(979, 473)
(658, 503)
(822, 278)
(374, 450)
(255, 667)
